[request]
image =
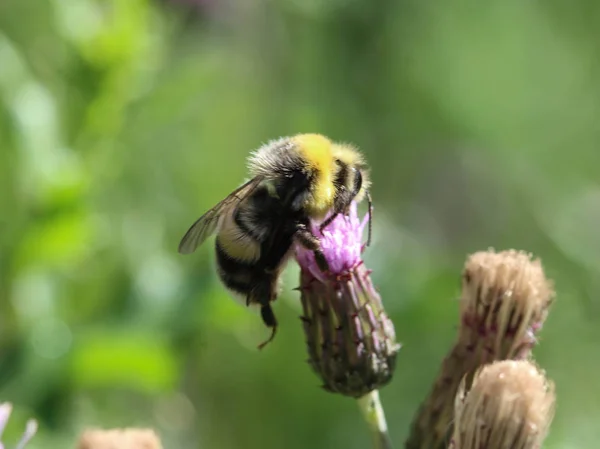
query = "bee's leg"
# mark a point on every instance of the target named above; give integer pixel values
(263, 293)
(341, 205)
(328, 221)
(268, 317)
(263, 289)
(312, 242)
(370, 211)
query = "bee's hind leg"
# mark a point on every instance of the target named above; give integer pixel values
(263, 293)
(268, 317)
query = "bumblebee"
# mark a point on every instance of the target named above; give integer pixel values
(294, 180)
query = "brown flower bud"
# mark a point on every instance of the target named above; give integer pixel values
(504, 302)
(119, 439)
(510, 405)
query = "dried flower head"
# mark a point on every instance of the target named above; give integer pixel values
(510, 405)
(119, 439)
(351, 341)
(30, 429)
(505, 300)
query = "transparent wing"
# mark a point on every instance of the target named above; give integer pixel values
(207, 223)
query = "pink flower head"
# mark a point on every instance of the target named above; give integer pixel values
(341, 243)
(350, 339)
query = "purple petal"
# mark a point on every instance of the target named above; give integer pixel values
(5, 410)
(30, 431)
(341, 243)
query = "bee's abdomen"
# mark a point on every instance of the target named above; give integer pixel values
(251, 246)
(230, 263)
(254, 219)
(236, 274)
(236, 242)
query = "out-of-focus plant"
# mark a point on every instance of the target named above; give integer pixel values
(129, 438)
(30, 429)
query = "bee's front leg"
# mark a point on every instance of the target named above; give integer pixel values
(311, 242)
(328, 221)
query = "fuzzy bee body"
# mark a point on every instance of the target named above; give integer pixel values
(252, 246)
(294, 180)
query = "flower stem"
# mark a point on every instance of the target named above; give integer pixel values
(372, 410)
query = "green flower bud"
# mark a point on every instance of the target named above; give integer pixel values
(351, 341)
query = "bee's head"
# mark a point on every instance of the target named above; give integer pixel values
(352, 175)
(301, 168)
(312, 173)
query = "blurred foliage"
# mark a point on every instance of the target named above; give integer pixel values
(121, 121)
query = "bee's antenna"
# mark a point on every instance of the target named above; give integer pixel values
(370, 230)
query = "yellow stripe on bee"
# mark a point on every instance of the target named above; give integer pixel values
(237, 244)
(316, 151)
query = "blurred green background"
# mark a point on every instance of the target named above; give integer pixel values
(121, 121)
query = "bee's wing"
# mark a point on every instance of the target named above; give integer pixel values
(207, 223)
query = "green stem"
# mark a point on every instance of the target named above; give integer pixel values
(372, 410)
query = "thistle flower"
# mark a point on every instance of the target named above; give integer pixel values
(30, 429)
(119, 438)
(510, 405)
(505, 300)
(351, 341)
